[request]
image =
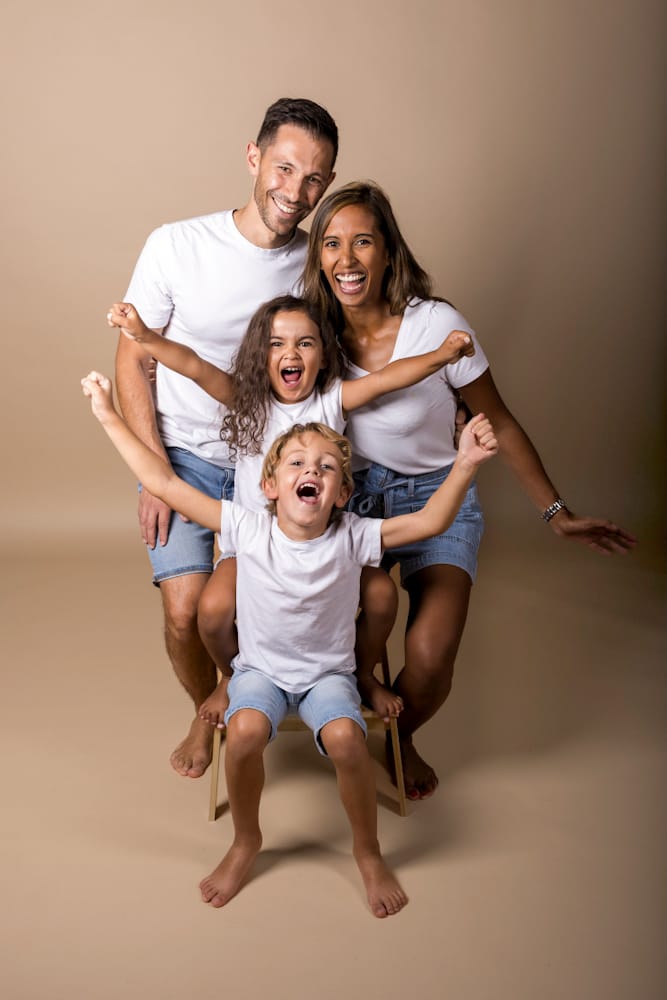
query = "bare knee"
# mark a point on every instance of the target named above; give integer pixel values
(247, 733)
(344, 742)
(378, 595)
(216, 612)
(217, 605)
(180, 611)
(439, 598)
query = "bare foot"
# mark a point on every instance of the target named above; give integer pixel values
(193, 755)
(383, 701)
(225, 881)
(213, 709)
(419, 777)
(385, 895)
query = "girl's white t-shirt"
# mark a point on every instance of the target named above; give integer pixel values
(322, 407)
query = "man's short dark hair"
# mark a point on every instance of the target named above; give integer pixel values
(308, 115)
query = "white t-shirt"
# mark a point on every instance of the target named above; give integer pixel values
(296, 601)
(412, 430)
(202, 281)
(324, 407)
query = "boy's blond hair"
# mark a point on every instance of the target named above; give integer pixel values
(273, 455)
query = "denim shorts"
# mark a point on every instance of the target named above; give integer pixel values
(189, 547)
(381, 492)
(333, 697)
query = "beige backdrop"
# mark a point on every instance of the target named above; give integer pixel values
(522, 143)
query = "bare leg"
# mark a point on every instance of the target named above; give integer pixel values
(213, 709)
(379, 603)
(247, 736)
(345, 744)
(439, 597)
(217, 613)
(192, 666)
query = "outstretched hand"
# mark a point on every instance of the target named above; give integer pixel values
(601, 536)
(125, 317)
(478, 440)
(456, 346)
(98, 389)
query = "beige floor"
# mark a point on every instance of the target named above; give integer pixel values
(536, 873)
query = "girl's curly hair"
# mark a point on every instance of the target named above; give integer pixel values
(245, 423)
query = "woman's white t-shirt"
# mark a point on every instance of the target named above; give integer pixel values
(412, 430)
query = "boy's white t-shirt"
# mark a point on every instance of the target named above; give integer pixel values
(412, 430)
(323, 407)
(296, 602)
(202, 281)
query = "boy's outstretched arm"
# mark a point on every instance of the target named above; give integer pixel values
(407, 371)
(171, 354)
(152, 470)
(478, 443)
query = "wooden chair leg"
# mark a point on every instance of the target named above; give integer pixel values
(395, 742)
(215, 768)
(398, 767)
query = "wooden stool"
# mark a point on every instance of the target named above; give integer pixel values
(293, 724)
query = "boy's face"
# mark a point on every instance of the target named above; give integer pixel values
(307, 485)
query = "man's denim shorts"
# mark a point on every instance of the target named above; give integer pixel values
(189, 547)
(333, 697)
(381, 492)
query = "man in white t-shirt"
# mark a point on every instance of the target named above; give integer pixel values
(199, 281)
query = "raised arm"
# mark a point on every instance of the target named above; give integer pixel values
(520, 454)
(171, 354)
(137, 402)
(407, 371)
(478, 443)
(151, 469)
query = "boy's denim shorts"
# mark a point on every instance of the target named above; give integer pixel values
(381, 492)
(333, 697)
(189, 547)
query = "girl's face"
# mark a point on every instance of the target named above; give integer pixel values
(354, 257)
(295, 358)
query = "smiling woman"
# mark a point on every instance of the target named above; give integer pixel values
(364, 278)
(354, 254)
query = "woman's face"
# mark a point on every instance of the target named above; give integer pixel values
(353, 257)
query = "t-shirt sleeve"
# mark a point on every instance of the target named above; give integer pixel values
(366, 538)
(229, 526)
(446, 319)
(149, 290)
(332, 406)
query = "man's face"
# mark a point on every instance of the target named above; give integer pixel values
(291, 175)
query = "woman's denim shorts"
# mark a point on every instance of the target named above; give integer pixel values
(381, 492)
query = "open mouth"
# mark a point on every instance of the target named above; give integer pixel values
(350, 284)
(308, 491)
(291, 375)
